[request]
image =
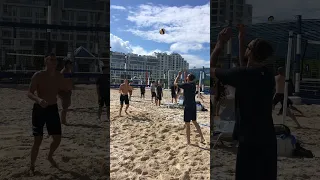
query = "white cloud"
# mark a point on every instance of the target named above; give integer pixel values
(119, 45)
(185, 47)
(185, 25)
(195, 61)
(117, 7)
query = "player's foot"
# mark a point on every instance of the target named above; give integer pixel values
(31, 170)
(52, 162)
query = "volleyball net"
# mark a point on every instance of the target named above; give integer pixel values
(85, 44)
(304, 51)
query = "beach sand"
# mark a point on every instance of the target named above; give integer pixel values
(83, 150)
(288, 168)
(150, 142)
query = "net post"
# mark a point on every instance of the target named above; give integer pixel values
(285, 101)
(298, 57)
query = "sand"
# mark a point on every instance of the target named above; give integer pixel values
(82, 153)
(150, 142)
(288, 168)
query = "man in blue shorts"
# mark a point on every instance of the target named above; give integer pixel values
(190, 105)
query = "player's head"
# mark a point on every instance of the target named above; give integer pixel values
(104, 70)
(258, 50)
(50, 61)
(281, 70)
(125, 81)
(68, 64)
(190, 77)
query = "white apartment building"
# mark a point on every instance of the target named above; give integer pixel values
(64, 12)
(236, 10)
(157, 66)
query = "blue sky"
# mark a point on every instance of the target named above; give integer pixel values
(135, 28)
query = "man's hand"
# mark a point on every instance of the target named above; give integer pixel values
(42, 103)
(225, 35)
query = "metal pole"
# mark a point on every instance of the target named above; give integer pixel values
(229, 47)
(49, 19)
(168, 79)
(298, 56)
(285, 102)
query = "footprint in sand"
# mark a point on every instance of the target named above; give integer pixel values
(145, 158)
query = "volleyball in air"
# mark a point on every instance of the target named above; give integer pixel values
(162, 31)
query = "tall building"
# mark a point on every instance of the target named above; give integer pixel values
(235, 10)
(64, 12)
(157, 66)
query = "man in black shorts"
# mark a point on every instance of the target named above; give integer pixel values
(142, 90)
(124, 95)
(190, 105)
(159, 94)
(153, 91)
(254, 128)
(173, 89)
(103, 92)
(279, 96)
(47, 83)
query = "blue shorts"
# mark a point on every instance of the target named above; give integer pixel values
(190, 113)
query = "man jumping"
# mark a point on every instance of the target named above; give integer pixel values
(47, 83)
(124, 96)
(190, 105)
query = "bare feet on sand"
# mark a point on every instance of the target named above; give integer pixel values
(52, 162)
(31, 170)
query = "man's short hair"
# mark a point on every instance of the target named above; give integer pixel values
(191, 77)
(261, 50)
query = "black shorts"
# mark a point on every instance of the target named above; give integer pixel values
(159, 98)
(173, 96)
(279, 97)
(124, 99)
(142, 92)
(153, 94)
(190, 113)
(104, 101)
(48, 116)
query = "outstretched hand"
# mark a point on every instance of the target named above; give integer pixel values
(225, 34)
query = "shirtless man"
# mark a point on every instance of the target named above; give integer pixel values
(47, 83)
(279, 96)
(65, 95)
(153, 91)
(103, 92)
(124, 97)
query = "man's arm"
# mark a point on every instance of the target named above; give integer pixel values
(62, 82)
(175, 83)
(33, 88)
(120, 89)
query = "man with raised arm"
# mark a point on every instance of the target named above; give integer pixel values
(43, 90)
(254, 129)
(190, 105)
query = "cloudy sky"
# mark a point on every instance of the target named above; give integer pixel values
(284, 9)
(135, 28)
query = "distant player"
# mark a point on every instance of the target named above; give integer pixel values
(173, 89)
(65, 95)
(103, 92)
(124, 95)
(130, 91)
(279, 96)
(153, 91)
(142, 90)
(159, 94)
